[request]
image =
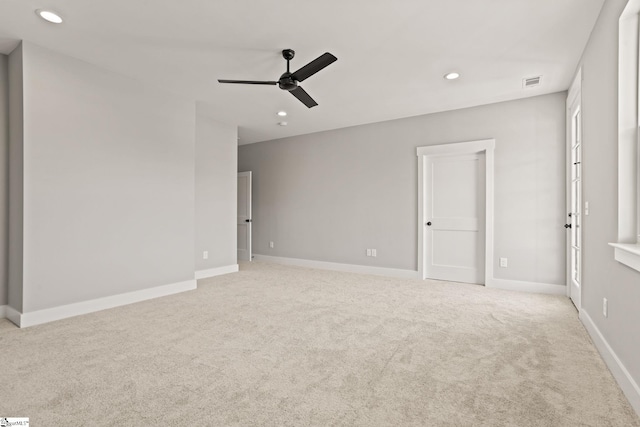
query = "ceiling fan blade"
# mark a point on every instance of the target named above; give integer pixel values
(314, 66)
(304, 97)
(249, 82)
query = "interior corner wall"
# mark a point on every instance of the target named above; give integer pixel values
(329, 196)
(16, 179)
(603, 277)
(4, 178)
(216, 191)
(108, 183)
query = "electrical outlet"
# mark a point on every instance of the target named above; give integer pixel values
(271, 245)
(205, 255)
(605, 307)
(374, 252)
(504, 262)
(368, 252)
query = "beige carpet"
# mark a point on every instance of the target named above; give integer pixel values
(286, 346)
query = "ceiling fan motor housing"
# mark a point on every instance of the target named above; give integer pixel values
(286, 82)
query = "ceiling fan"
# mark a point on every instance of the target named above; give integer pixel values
(289, 81)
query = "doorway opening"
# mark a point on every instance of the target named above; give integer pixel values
(244, 217)
(574, 191)
(455, 211)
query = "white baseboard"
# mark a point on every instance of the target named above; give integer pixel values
(626, 382)
(38, 317)
(349, 268)
(212, 272)
(522, 286)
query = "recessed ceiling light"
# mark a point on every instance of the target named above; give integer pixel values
(282, 113)
(282, 123)
(451, 76)
(49, 16)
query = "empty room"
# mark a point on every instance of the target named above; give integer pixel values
(439, 224)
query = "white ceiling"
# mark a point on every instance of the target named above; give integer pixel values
(392, 55)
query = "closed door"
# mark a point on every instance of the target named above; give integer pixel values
(244, 216)
(574, 219)
(455, 218)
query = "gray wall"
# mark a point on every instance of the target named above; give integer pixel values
(108, 183)
(602, 275)
(4, 177)
(329, 196)
(16, 136)
(216, 191)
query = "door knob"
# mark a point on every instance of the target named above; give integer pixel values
(247, 220)
(429, 223)
(567, 226)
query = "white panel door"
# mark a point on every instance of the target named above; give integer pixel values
(574, 222)
(244, 216)
(455, 218)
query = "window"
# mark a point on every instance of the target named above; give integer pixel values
(627, 248)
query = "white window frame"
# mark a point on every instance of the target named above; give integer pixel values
(627, 248)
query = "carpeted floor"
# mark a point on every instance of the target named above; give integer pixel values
(287, 346)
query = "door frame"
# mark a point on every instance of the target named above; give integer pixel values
(485, 146)
(574, 97)
(250, 211)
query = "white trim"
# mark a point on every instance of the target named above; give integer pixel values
(628, 163)
(574, 102)
(334, 266)
(617, 368)
(456, 148)
(522, 286)
(3, 311)
(486, 145)
(247, 220)
(212, 272)
(627, 254)
(62, 312)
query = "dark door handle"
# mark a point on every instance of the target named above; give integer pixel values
(247, 220)
(567, 226)
(429, 223)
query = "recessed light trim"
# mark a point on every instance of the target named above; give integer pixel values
(49, 16)
(282, 113)
(452, 76)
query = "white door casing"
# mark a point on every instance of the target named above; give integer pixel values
(470, 165)
(244, 216)
(574, 192)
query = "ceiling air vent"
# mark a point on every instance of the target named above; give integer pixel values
(531, 81)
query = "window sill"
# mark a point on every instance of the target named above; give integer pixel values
(627, 254)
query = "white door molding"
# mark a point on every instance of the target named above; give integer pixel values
(574, 200)
(485, 146)
(244, 217)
